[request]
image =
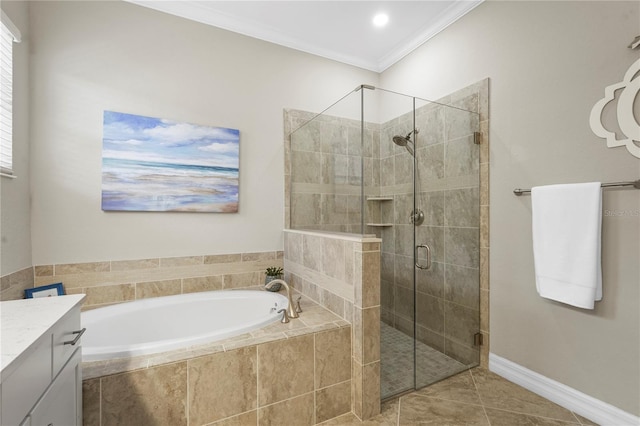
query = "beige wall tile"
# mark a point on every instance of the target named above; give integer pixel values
(370, 390)
(223, 258)
(109, 294)
(249, 418)
(5, 282)
(91, 402)
(370, 280)
(296, 411)
(170, 262)
(484, 184)
(333, 258)
(13, 285)
(79, 268)
(484, 268)
(312, 252)
(154, 396)
(293, 245)
(371, 247)
(366, 334)
(158, 288)
(70, 281)
(332, 357)
(371, 331)
(356, 388)
(332, 302)
(192, 285)
(128, 265)
(484, 226)
(333, 401)
(484, 351)
(356, 279)
(356, 335)
(484, 145)
(484, 310)
(222, 385)
(43, 270)
(348, 311)
(285, 369)
(246, 279)
(349, 262)
(267, 255)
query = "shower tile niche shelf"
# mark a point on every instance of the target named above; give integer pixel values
(380, 212)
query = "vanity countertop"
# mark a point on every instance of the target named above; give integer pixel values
(23, 322)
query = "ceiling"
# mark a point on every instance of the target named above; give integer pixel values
(338, 30)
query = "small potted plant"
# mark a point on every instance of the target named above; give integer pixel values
(273, 273)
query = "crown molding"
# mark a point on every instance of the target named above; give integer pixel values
(196, 11)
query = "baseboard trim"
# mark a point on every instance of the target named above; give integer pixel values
(587, 406)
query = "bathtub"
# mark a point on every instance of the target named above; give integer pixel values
(162, 324)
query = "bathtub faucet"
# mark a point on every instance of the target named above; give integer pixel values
(291, 311)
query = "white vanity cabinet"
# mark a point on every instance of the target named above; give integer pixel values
(41, 356)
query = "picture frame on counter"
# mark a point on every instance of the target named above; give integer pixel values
(50, 290)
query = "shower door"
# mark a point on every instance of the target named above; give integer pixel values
(429, 175)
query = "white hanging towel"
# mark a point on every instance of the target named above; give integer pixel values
(567, 220)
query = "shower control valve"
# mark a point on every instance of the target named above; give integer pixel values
(417, 217)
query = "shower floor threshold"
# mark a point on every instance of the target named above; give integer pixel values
(397, 363)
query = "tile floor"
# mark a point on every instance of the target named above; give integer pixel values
(396, 363)
(473, 397)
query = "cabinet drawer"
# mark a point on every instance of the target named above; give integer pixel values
(21, 390)
(64, 332)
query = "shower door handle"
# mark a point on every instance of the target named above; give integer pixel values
(426, 247)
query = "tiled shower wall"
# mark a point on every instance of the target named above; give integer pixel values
(117, 281)
(325, 171)
(448, 179)
(449, 189)
(342, 273)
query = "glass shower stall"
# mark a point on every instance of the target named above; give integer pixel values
(406, 170)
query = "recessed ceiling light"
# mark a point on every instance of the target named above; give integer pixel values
(380, 20)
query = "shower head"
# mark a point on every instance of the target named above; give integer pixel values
(404, 141)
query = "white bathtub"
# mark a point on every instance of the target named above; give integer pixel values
(166, 323)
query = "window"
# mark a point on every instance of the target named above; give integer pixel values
(8, 35)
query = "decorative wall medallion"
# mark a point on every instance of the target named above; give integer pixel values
(629, 126)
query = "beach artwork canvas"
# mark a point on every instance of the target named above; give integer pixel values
(159, 165)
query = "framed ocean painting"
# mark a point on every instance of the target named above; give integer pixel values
(158, 165)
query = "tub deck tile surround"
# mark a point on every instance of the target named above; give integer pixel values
(283, 374)
(118, 281)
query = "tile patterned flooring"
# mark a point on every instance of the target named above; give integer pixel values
(473, 397)
(396, 363)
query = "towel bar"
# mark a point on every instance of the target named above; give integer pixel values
(635, 184)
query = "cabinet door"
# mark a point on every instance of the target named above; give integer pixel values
(60, 405)
(21, 390)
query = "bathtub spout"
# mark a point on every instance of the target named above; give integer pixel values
(291, 311)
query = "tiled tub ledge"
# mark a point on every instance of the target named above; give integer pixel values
(313, 319)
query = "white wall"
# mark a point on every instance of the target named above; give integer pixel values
(548, 63)
(93, 56)
(15, 235)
